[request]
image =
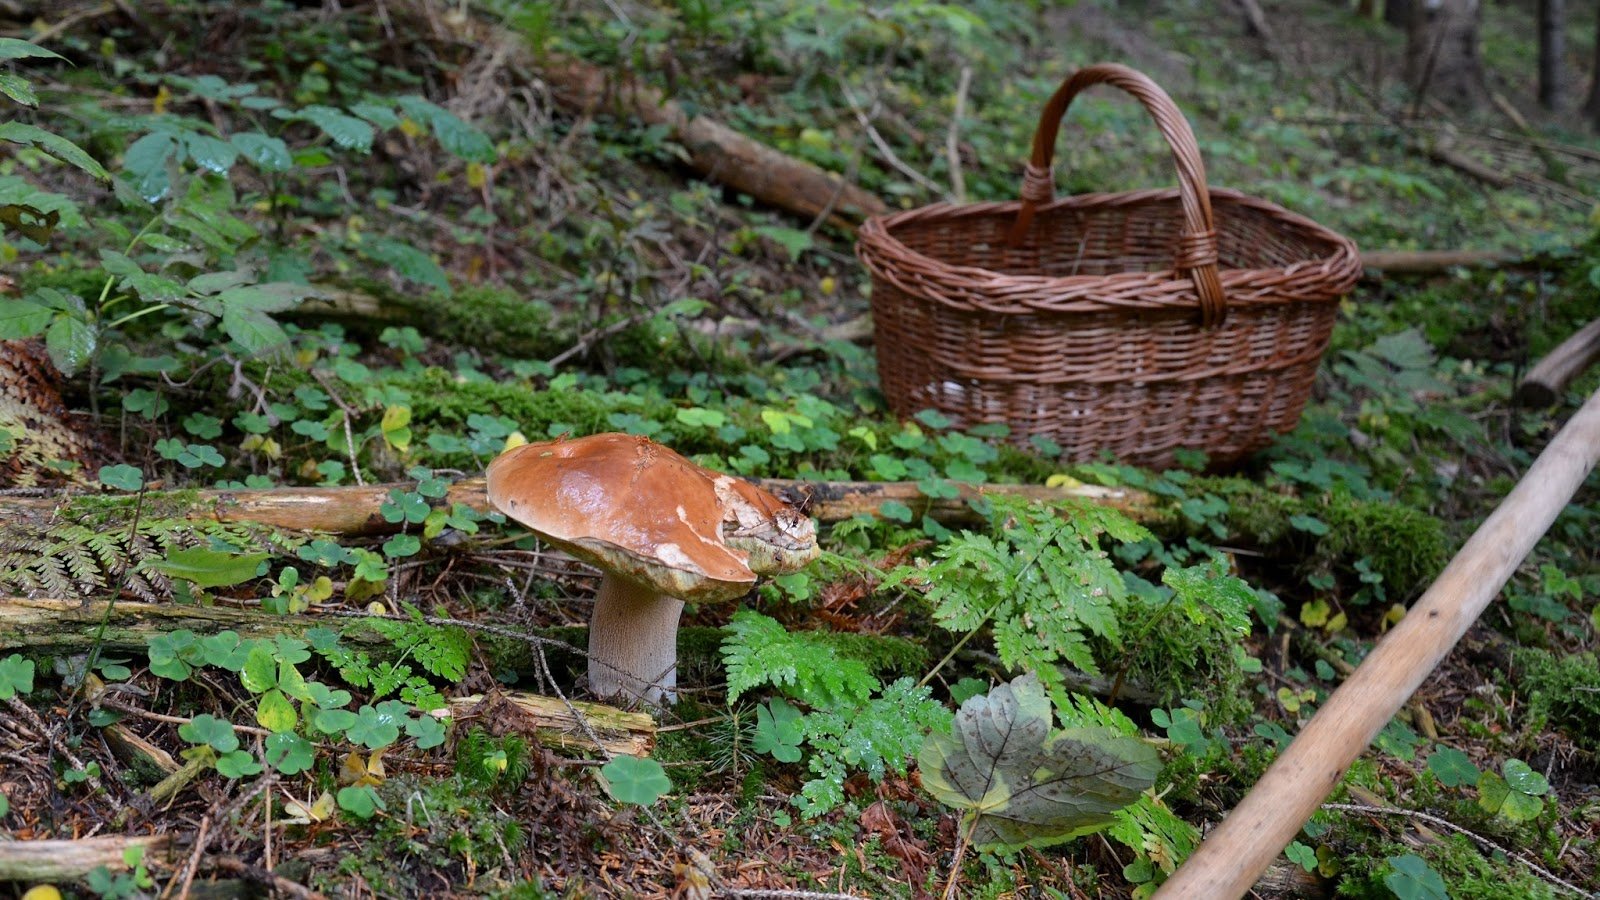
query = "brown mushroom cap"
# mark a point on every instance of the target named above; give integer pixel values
(641, 510)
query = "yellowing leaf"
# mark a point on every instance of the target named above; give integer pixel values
(828, 285)
(1062, 480)
(477, 175)
(1315, 614)
(301, 813)
(514, 440)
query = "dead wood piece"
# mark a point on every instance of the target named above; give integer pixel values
(1427, 262)
(561, 725)
(1550, 376)
(355, 510)
(1234, 854)
(65, 626)
(715, 150)
(66, 860)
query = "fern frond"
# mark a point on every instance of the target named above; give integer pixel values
(759, 651)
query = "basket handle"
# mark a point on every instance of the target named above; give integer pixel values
(1197, 245)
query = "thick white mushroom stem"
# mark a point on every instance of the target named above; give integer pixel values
(633, 642)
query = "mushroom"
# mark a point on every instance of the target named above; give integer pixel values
(662, 530)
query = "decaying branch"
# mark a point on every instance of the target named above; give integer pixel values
(71, 860)
(67, 627)
(1551, 375)
(356, 510)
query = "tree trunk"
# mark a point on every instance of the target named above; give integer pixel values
(1442, 58)
(1399, 12)
(1552, 50)
(1591, 106)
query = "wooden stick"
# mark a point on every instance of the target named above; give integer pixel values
(1228, 862)
(67, 626)
(1550, 376)
(67, 860)
(355, 510)
(1427, 262)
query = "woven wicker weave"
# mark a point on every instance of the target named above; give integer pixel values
(1123, 322)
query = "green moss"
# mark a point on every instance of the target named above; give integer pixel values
(489, 318)
(1405, 545)
(1563, 692)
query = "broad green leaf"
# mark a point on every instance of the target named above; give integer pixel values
(275, 712)
(260, 671)
(1414, 879)
(22, 319)
(1452, 767)
(409, 262)
(456, 136)
(1499, 798)
(211, 731)
(18, 88)
(1522, 778)
(252, 330)
(209, 153)
(122, 478)
(55, 145)
(70, 342)
(269, 154)
(1022, 784)
(145, 161)
(632, 779)
(12, 48)
(209, 568)
(779, 730)
(16, 676)
(346, 130)
(360, 801)
(289, 753)
(238, 764)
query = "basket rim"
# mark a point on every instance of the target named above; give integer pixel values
(994, 291)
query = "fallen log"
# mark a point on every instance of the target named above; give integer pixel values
(71, 860)
(1427, 262)
(68, 627)
(1294, 786)
(1550, 376)
(715, 150)
(356, 510)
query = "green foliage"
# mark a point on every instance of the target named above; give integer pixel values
(16, 676)
(204, 567)
(1516, 795)
(1452, 767)
(1561, 691)
(1046, 586)
(633, 779)
(1413, 879)
(1023, 783)
(876, 736)
(759, 651)
(89, 548)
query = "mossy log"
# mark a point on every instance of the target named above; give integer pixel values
(65, 627)
(355, 510)
(71, 860)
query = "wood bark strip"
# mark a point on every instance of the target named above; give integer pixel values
(67, 860)
(1235, 853)
(355, 510)
(1550, 376)
(65, 626)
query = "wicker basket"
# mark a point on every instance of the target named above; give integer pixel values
(1123, 322)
